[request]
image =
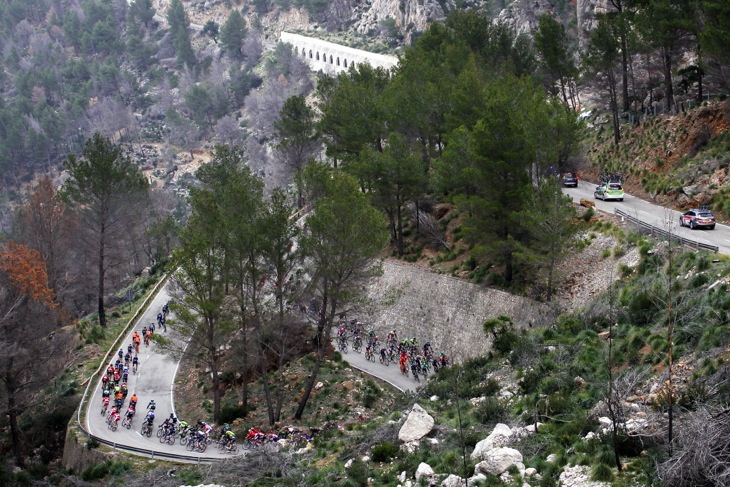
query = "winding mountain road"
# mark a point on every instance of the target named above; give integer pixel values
(154, 380)
(390, 374)
(658, 216)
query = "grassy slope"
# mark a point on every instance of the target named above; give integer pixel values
(665, 154)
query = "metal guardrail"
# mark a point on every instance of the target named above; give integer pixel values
(664, 234)
(153, 453)
(94, 377)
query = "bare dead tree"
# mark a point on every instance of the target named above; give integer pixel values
(253, 47)
(228, 132)
(702, 456)
(428, 227)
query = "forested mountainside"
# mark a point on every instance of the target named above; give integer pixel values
(131, 132)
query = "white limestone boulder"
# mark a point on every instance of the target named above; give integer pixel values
(578, 476)
(424, 470)
(498, 460)
(418, 424)
(453, 481)
(498, 438)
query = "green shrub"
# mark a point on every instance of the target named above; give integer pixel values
(96, 335)
(101, 470)
(589, 213)
(369, 400)
(383, 452)
(602, 473)
(231, 412)
(358, 473)
(490, 410)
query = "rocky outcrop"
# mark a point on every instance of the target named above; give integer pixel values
(498, 460)
(498, 438)
(578, 476)
(418, 424)
(452, 481)
(424, 470)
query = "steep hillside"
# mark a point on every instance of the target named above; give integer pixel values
(681, 161)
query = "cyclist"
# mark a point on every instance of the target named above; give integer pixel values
(151, 406)
(130, 348)
(427, 349)
(106, 393)
(110, 371)
(159, 317)
(135, 364)
(402, 361)
(104, 381)
(116, 377)
(168, 427)
(383, 354)
(133, 400)
(415, 368)
(118, 399)
(130, 413)
(120, 353)
(104, 404)
(114, 417)
(224, 429)
(124, 389)
(151, 329)
(183, 428)
(443, 359)
(162, 324)
(150, 418)
(371, 336)
(204, 427)
(165, 309)
(230, 439)
(255, 435)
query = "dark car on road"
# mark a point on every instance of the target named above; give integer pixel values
(570, 179)
(697, 219)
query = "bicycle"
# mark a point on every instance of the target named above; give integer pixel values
(414, 372)
(392, 355)
(169, 437)
(197, 444)
(113, 424)
(146, 430)
(104, 407)
(369, 355)
(384, 358)
(127, 422)
(357, 344)
(186, 436)
(403, 369)
(342, 344)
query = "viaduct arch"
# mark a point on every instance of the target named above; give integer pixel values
(332, 58)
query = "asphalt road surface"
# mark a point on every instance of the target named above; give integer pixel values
(154, 380)
(658, 216)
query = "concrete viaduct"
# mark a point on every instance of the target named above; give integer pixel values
(332, 58)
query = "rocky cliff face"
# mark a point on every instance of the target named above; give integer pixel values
(374, 17)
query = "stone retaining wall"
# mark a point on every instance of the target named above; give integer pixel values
(444, 310)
